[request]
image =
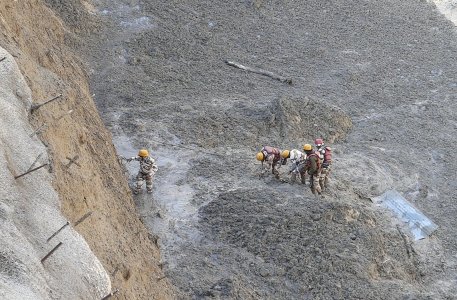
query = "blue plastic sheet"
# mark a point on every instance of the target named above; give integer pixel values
(419, 224)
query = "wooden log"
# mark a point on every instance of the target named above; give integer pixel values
(259, 71)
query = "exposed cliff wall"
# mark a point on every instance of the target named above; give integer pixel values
(36, 38)
(29, 212)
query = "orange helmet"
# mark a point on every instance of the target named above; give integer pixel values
(285, 154)
(143, 153)
(259, 156)
(307, 147)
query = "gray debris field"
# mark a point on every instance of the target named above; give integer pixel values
(375, 79)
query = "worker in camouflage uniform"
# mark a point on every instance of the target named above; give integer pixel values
(312, 166)
(147, 170)
(271, 157)
(297, 158)
(325, 156)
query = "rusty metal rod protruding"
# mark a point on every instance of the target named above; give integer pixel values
(36, 106)
(110, 294)
(40, 129)
(30, 171)
(52, 251)
(35, 161)
(72, 161)
(87, 215)
(59, 230)
(80, 220)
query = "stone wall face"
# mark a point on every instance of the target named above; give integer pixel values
(71, 127)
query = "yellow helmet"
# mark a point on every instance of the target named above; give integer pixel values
(285, 154)
(259, 156)
(143, 153)
(307, 147)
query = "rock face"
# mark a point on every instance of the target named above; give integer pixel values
(37, 40)
(30, 212)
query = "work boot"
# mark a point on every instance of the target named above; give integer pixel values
(326, 182)
(276, 173)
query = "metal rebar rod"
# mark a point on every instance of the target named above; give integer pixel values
(2, 59)
(36, 106)
(40, 129)
(34, 162)
(110, 294)
(82, 219)
(59, 230)
(52, 251)
(72, 161)
(30, 171)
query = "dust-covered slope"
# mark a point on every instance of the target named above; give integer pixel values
(71, 129)
(376, 79)
(30, 212)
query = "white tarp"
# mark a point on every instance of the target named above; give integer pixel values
(420, 225)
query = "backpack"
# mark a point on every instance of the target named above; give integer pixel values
(274, 151)
(327, 157)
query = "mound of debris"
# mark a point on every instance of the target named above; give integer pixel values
(311, 249)
(243, 122)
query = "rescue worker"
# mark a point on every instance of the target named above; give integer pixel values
(312, 166)
(147, 170)
(271, 156)
(297, 159)
(325, 156)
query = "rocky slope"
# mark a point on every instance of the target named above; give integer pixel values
(29, 212)
(375, 79)
(38, 41)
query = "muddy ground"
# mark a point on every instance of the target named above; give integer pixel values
(375, 79)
